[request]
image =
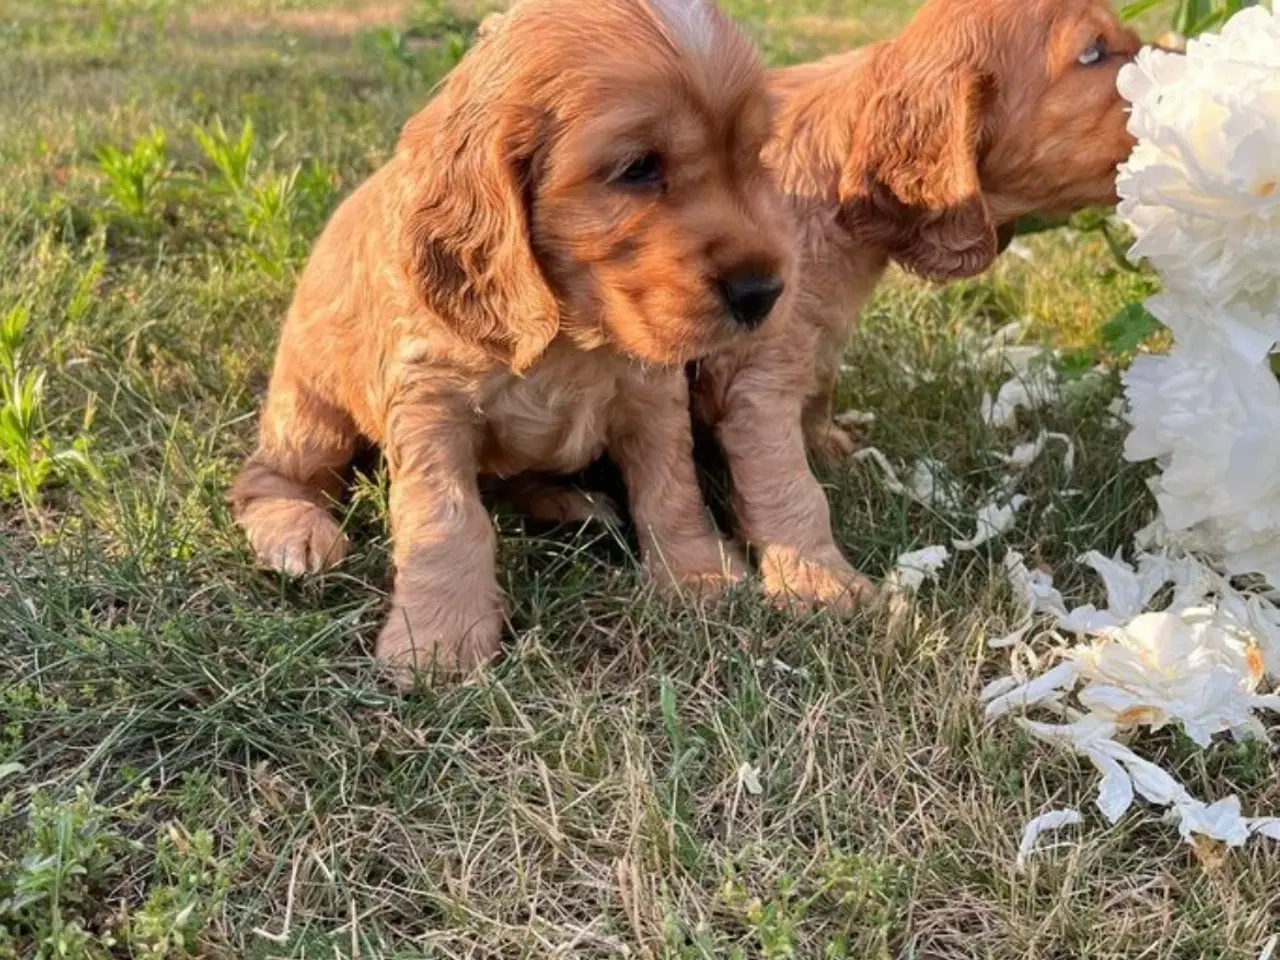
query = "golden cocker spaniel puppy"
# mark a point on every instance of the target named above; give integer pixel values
(919, 150)
(579, 212)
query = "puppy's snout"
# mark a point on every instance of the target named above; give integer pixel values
(750, 297)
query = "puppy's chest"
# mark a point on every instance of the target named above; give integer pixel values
(553, 419)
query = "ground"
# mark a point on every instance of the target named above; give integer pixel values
(199, 757)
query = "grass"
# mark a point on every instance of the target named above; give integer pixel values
(197, 758)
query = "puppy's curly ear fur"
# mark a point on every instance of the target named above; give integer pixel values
(911, 184)
(467, 238)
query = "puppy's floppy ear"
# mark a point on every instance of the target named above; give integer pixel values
(466, 239)
(911, 184)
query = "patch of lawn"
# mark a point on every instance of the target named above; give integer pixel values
(196, 757)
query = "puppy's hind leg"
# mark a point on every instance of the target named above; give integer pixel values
(280, 498)
(545, 500)
(829, 444)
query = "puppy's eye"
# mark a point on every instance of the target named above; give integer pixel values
(644, 171)
(1095, 54)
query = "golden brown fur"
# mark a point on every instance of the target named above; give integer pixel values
(916, 150)
(517, 290)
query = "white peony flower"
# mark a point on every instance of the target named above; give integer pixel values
(1193, 668)
(1200, 190)
(1209, 419)
(1197, 324)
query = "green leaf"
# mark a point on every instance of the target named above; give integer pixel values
(1220, 13)
(1129, 329)
(1188, 14)
(1074, 364)
(1138, 8)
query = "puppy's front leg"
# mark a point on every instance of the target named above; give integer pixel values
(778, 503)
(446, 614)
(651, 440)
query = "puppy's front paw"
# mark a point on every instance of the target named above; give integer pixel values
(293, 536)
(793, 580)
(437, 643)
(830, 445)
(706, 572)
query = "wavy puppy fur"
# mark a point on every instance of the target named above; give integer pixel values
(921, 150)
(579, 212)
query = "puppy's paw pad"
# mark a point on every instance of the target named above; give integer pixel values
(293, 536)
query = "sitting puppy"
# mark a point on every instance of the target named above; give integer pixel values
(580, 212)
(918, 150)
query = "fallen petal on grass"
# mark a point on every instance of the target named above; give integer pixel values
(1046, 822)
(912, 569)
(1198, 664)
(749, 779)
(994, 519)
(1036, 388)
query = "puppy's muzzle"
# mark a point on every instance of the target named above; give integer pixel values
(750, 298)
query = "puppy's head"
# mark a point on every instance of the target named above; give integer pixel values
(595, 167)
(984, 111)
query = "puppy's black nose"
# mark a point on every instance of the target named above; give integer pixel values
(750, 297)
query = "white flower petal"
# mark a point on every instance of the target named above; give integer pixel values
(997, 688)
(1061, 676)
(929, 484)
(1025, 454)
(1219, 821)
(1035, 388)
(1055, 820)
(1267, 826)
(1011, 639)
(1087, 734)
(1115, 792)
(993, 520)
(749, 779)
(891, 480)
(913, 568)
(1154, 783)
(1124, 589)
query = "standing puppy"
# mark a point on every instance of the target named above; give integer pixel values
(580, 212)
(919, 150)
